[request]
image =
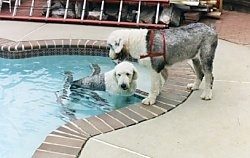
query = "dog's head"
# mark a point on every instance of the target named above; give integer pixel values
(126, 75)
(117, 47)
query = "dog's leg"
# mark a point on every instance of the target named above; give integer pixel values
(206, 58)
(164, 74)
(199, 75)
(207, 92)
(155, 88)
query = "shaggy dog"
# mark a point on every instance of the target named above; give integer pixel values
(119, 81)
(159, 48)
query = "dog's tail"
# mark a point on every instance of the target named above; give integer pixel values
(68, 76)
(96, 69)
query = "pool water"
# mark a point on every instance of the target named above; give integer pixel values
(29, 107)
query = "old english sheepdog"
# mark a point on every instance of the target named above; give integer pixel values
(122, 80)
(159, 48)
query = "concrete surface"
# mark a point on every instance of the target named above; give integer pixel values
(24, 31)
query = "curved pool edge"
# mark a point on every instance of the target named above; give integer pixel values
(68, 140)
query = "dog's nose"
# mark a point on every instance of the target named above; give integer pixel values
(123, 86)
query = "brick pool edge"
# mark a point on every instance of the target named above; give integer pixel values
(68, 140)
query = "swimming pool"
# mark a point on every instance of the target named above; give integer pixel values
(71, 138)
(29, 107)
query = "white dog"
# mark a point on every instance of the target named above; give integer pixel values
(157, 49)
(122, 80)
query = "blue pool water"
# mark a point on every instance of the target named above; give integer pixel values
(29, 110)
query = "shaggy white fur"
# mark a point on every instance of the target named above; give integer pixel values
(122, 79)
(133, 41)
(195, 41)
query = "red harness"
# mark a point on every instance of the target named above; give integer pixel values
(156, 54)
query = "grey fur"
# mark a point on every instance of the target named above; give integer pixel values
(196, 41)
(185, 43)
(95, 82)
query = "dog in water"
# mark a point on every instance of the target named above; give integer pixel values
(122, 80)
(157, 49)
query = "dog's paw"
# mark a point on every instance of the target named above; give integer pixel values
(148, 101)
(192, 86)
(207, 94)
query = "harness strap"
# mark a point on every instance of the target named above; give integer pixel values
(156, 54)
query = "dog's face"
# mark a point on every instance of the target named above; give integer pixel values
(116, 46)
(125, 74)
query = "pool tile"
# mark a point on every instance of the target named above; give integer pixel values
(5, 48)
(35, 44)
(60, 149)
(162, 98)
(164, 105)
(5, 41)
(58, 43)
(53, 139)
(181, 92)
(154, 109)
(103, 44)
(67, 130)
(131, 115)
(42, 44)
(115, 124)
(15, 47)
(91, 44)
(142, 112)
(68, 135)
(66, 43)
(173, 96)
(47, 154)
(188, 76)
(89, 51)
(74, 127)
(180, 79)
(83, 43)
(177, 81)
(121, 117)
(99, 124)
(49, 44)
(27, 45)
(98, 44)
(4, 55)
(74, 43)
(141, 93)
(175, 87)
(87, 127)
(12, 47)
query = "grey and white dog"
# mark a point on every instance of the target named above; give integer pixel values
(121, 80)
(196, 41)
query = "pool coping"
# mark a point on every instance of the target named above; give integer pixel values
(68, 140)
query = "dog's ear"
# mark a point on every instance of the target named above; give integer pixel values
(114, 75)
(135, 74)
(118, 43)
(121, 42)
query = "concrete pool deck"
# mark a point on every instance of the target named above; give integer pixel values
(218, 128)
